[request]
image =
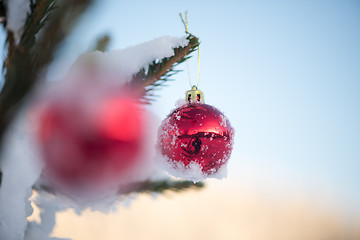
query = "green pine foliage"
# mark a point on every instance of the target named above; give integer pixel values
(160, 71)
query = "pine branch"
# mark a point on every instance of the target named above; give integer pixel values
(141, 187)
(162, 186)
(20, 71)
(40, 13)
(160, 71)
(59, 25)
(27, 60)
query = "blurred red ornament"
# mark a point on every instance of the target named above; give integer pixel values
(196, 133)
(90, 138)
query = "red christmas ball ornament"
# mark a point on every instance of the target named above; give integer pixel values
(90, 137)
(196, 140)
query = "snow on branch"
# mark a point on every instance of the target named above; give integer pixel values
(128, 61)
(144, 66)
(16, 11)
(160, 70)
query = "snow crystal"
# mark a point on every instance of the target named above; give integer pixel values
(180, 102)
(192, 172)
(126, 62)
(20, 170)
(16, 11)
(223, 121)
(166, 128)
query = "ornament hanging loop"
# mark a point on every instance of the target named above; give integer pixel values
(198, 70)
(194, 95)
(185, 22)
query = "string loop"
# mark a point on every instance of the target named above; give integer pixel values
(185, 22)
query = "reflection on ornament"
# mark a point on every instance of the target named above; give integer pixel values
(196, 133)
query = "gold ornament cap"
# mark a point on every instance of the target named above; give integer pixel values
(194, 95)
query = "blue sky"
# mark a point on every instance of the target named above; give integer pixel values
(286, 73)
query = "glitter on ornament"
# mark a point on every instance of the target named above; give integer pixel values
(196, 140)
